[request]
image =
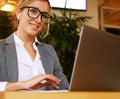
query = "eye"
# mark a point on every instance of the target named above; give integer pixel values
(45, 15)
(33, 10)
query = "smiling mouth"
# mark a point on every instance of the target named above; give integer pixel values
(34, 26)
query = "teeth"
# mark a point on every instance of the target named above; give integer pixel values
(35, 26)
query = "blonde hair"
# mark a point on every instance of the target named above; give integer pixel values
(23, 3)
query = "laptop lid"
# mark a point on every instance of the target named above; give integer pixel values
(97, 62)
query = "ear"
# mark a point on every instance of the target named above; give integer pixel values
(18, 12)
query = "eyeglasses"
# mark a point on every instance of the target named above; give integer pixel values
(34, 13)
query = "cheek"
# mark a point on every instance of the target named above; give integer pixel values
(23, 17)
(24, 20)
(42, 26)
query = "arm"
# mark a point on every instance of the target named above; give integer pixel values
(34, 83)
(52, 65)
(58, 71)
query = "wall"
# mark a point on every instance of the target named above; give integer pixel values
(92, 11)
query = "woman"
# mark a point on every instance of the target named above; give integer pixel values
(26, 63)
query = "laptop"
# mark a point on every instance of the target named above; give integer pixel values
(97, 62)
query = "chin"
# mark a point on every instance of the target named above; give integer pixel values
(32, 33)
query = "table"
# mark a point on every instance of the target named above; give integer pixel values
(60, 95)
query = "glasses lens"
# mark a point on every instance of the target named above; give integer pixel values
(45, 17)
(33, 12)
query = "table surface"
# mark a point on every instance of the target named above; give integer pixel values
(60, 95)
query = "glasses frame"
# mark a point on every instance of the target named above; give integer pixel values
(40, 14)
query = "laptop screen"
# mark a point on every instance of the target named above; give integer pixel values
(97, 62)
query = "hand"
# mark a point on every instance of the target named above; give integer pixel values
(39, 81)
(42, 80)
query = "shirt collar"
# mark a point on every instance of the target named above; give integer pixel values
(18, 41)
(36, 41)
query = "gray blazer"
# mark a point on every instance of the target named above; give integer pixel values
(9, 62)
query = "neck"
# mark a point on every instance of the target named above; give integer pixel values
(27, 39)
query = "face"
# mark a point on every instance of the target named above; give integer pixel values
(32, 25)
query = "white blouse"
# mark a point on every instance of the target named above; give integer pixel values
(27, 68)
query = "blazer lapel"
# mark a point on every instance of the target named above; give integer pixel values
(45, 59)
(11, 58)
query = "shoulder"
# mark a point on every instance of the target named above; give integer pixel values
(2, 47)
(47, 48)
(8, 40)
(2, 42)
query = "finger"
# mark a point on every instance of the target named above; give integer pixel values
(53, 79)
(49, 83)
(55, 85)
